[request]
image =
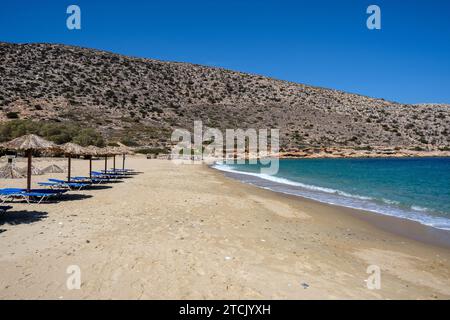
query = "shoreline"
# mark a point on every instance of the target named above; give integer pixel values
(359, 156)
(349, 153)
(366, 157)
(431, 154)
(189, 232)
(288, 187)
(410, 229)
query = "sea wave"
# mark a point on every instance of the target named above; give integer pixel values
(388, 201)
(341, 198)
(291, 183)
(418, 208)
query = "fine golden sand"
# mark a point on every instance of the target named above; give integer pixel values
(188, 232)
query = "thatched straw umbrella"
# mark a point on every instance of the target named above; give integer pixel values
(35, 171)
(53, 168)
(123, 150)
(10, 171)
(72, 149)
(30, 143)
(92, 151)
(110, 152)
(114, 151)
(105, 152)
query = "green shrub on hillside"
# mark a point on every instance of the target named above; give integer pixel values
(128, 141)
(53, 131)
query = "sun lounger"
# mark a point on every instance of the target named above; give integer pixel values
(117, 171)
(56, 185)
(16, 190)
(121, 170)
(67, 185)
(36, 196)
(107, 172)
(21, 194)
(3, 209)
(114, 174)
(8, 194)
(102, 175)
(50, 185)
(88, 180)
(103, 178)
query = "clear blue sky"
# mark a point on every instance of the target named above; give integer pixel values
(317, 42)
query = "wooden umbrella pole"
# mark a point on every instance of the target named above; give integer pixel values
(29, 154)
(114, 162)
(106, 163)
(90, 167)
(123, 161)
(69, 168)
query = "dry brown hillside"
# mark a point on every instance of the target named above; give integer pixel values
(146, 99)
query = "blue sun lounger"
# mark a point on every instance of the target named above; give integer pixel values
(37, 195)
(102, 175)
(115, 172)
(93, 180)
(15, 190)
(122, 170)
(3, 209)
(61, 184)
(8, 194)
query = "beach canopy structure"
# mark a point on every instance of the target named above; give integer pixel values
(30, 143)
(125, 151)
(35, 171)
(121, 150)
(106, 152)
(93, 151)
(53, 168)
(72, 149)
(113, 151)
(10, 171)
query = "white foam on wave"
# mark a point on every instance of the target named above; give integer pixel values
(290, 182)
(388, 201)
(341, 198)
(418, 208)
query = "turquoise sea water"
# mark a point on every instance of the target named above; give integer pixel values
(413, 188)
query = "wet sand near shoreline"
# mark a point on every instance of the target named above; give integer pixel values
(397, 225)
(189, 232)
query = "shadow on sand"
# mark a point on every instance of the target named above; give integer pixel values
(72, 197)
(113, 181)
(21, 217)
(98, 187)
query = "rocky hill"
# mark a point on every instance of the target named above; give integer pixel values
(143, 100)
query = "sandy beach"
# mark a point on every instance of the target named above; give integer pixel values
(189, 232)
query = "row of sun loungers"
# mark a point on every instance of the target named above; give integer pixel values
(54, 188)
